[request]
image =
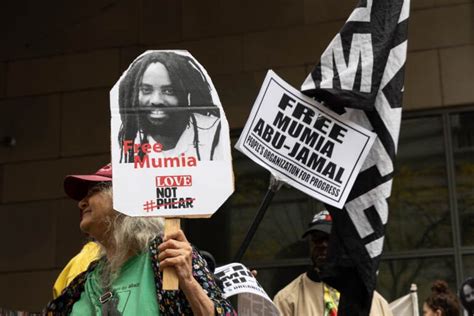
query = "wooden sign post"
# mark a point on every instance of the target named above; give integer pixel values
(170, 161)
(170, 278)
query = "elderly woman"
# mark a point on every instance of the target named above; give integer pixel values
(127, 279)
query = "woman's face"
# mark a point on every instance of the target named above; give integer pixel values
(96, 212)
(427, 311)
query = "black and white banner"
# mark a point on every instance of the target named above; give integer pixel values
(360, 75)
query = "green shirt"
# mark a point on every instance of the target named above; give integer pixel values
(134, 288)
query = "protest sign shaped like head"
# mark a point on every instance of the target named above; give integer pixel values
(170, 139)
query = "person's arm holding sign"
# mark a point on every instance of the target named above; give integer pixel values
(171, 158)
(177, 252)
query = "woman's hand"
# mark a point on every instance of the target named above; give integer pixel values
(176, 252)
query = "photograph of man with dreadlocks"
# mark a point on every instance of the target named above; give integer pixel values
(170, 138)
(166, 99)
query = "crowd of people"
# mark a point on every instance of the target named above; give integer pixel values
(118, 272)
(165, 98)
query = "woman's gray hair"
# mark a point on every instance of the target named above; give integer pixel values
(128, 236)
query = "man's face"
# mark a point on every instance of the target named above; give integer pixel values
(156, 92)
(468, 292)
(96, 212)
(318, 246)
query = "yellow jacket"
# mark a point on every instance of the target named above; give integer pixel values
(76, 265)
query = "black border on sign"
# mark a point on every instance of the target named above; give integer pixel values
(329, 114)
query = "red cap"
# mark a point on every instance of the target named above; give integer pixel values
(76, 186)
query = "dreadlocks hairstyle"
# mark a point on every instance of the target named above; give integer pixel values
(443, 299)
(469, 306)
(189, 83)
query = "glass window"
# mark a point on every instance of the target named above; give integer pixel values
(419, 215)
(279, 236)
(396, 276)
(462, 127)
(468, 265)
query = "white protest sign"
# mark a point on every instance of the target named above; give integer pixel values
(303, 143)
(252, 299)
(170, 139)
